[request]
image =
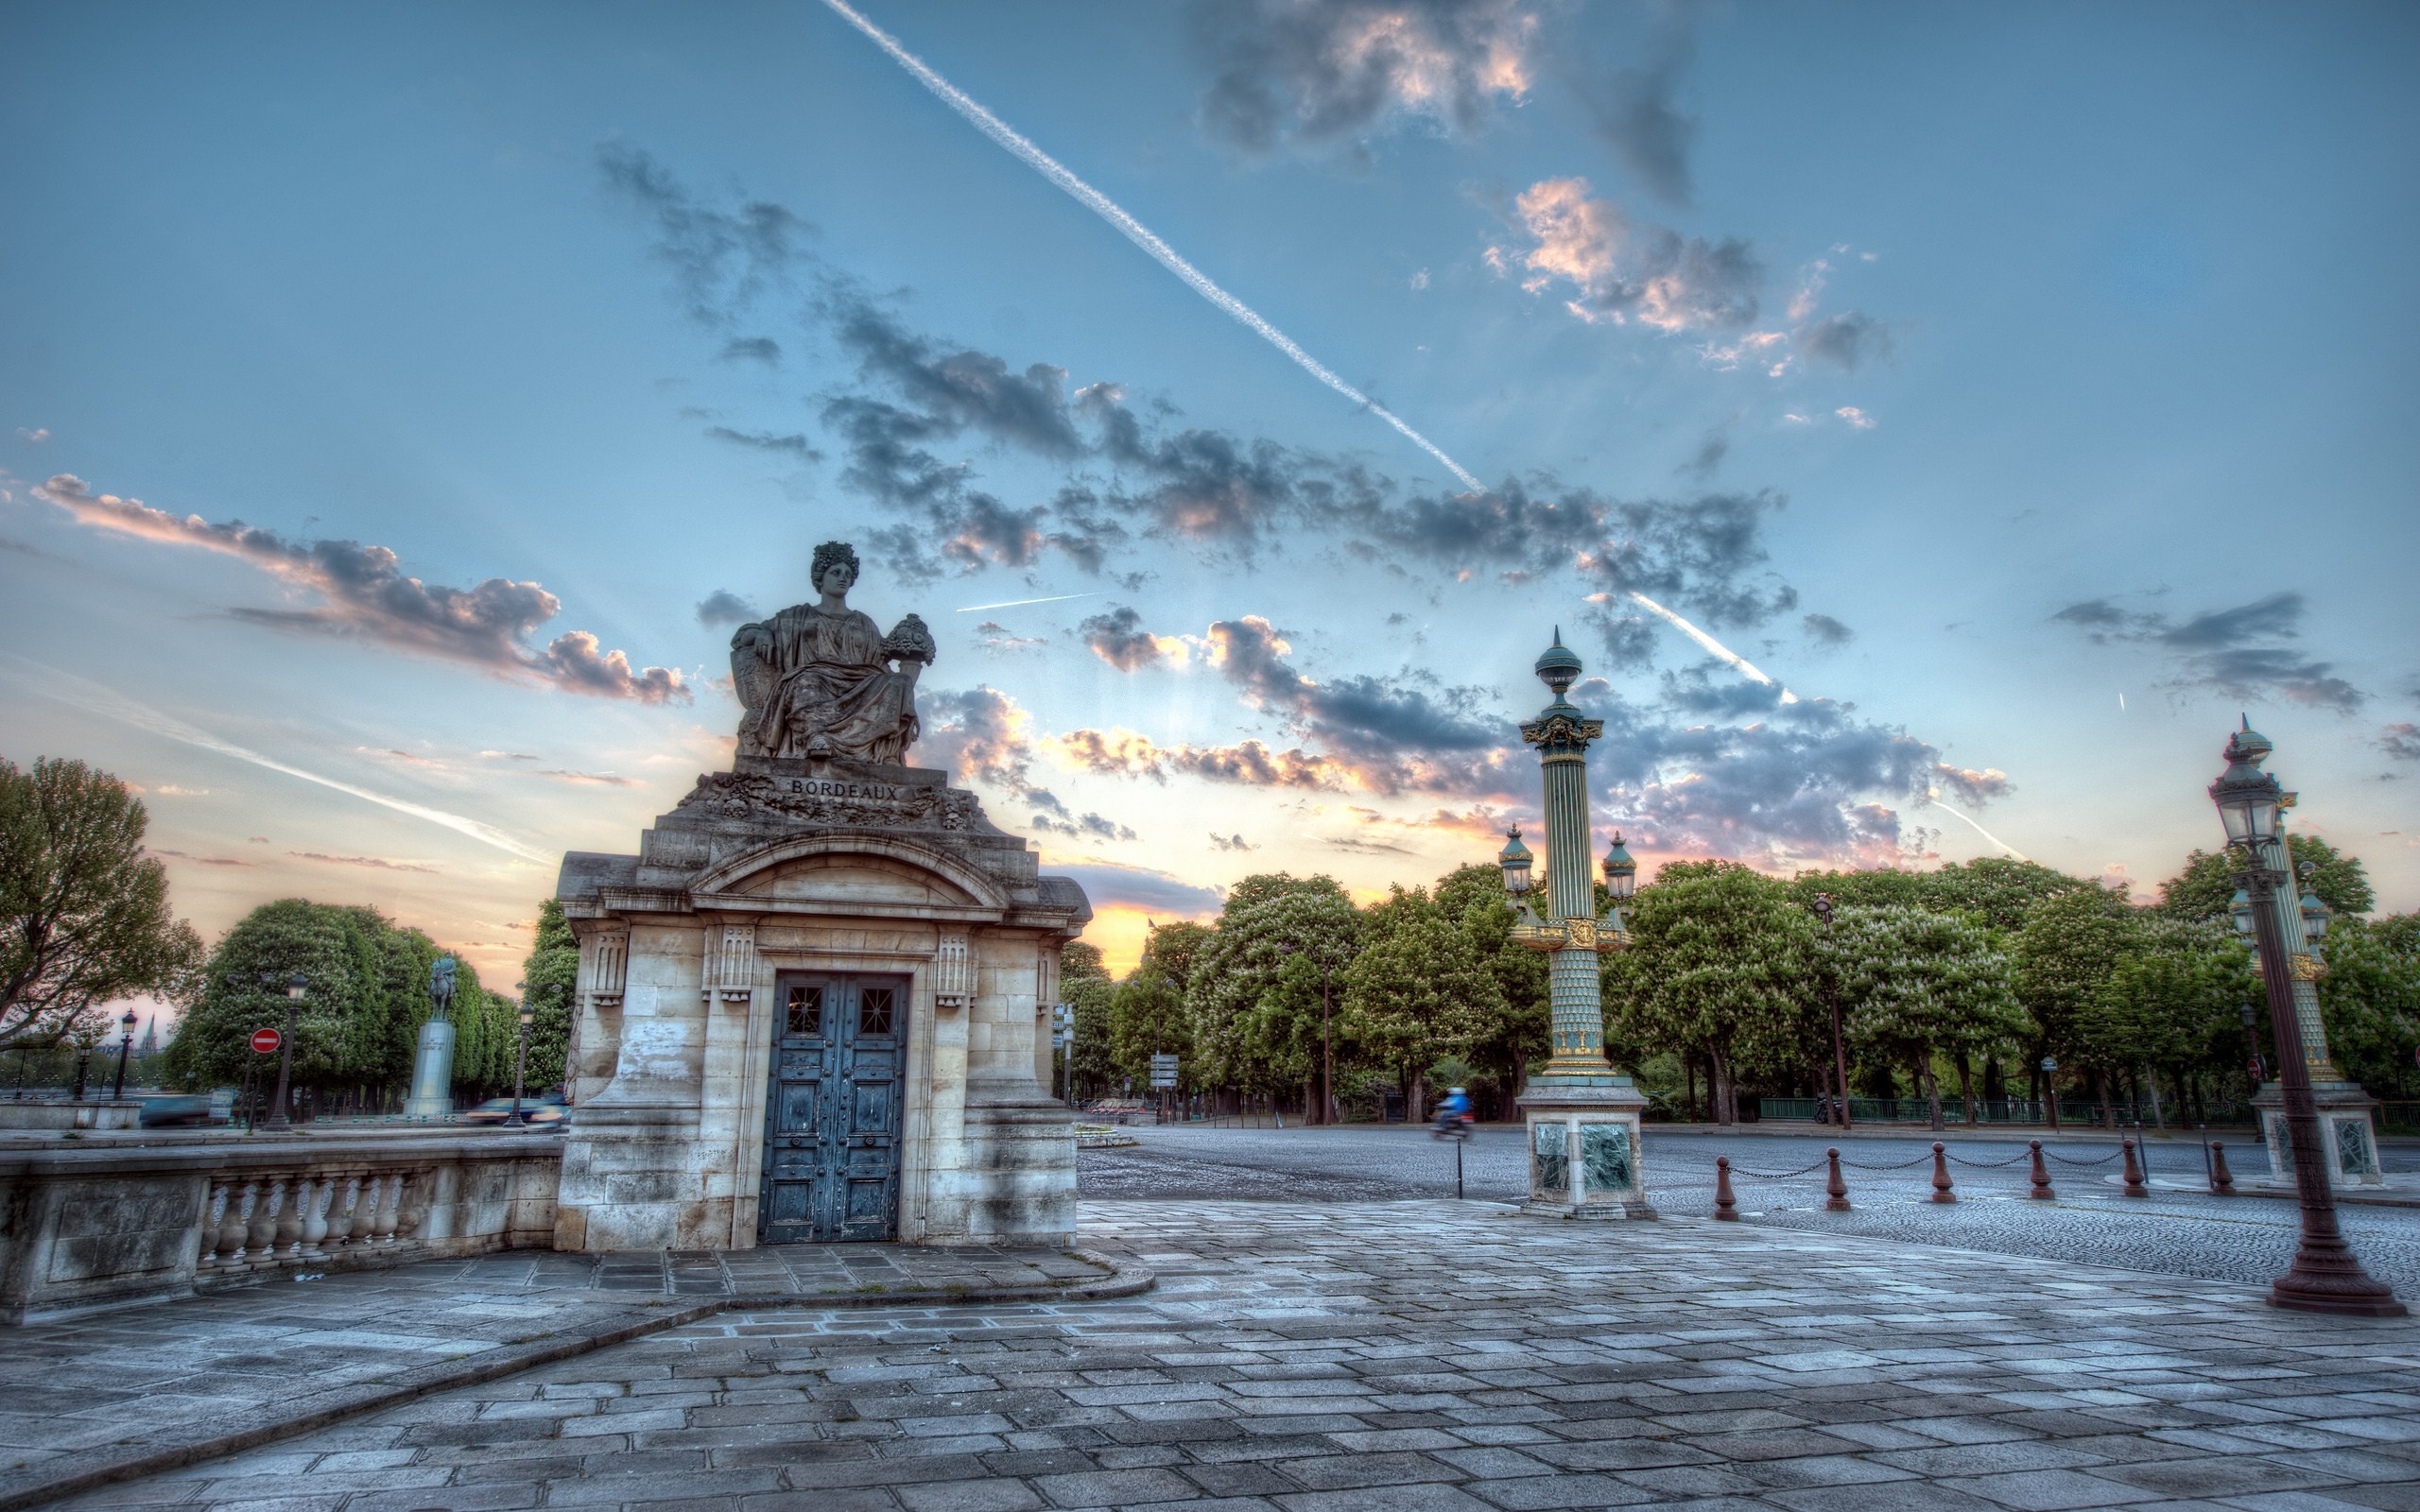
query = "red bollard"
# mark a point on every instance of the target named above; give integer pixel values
(2041, 1191)
(2221, 1179)
(1726, 1207)
(1836, 1192)
(2134, 1187)
(1940, 1191)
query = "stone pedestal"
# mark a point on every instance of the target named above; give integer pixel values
(2348, 1142)
(432, 1072)
(694, 1050)
(1583, 1147)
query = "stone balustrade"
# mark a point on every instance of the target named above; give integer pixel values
(87, 1228)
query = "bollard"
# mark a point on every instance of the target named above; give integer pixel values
(2221, 1179)
(1940, 1191)
(1726, 1207)
(2041, 1191)
(2134, 1187)
(1836, 1192)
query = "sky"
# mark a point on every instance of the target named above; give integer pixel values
(1932, 426)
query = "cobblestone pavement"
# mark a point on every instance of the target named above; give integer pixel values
(2240, 1239)
(1428, 1356)
(130, 1378)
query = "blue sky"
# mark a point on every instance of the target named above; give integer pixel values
(1968, 370)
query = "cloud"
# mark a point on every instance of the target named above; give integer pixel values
(599, 778)
(366, 594)
(1626, 269)
(1111, 886)
(1230, 842)
(752, 348)
(1391, 732)
(1844, 340)
(2402, 742)
(377, 863)
(1246, 764)
(1635, 115)
(2216, 649)
(723, 607)
(1090, 825)
(35, 436)
(1858, 418)
(794, 444)
(1285, 73)
(1118, 638)
(721, 260)
(204, 861)
(1824, 631)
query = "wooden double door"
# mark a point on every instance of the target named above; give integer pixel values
(833, 1114)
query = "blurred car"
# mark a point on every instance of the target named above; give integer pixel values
(1115, 1111)
(538, 1110)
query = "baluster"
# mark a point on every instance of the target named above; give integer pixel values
(238, 1227)
(297, 1213)
(260, 1246)
(314, 1220)
(213, 1217)
(340, 1215)
(390, 1197)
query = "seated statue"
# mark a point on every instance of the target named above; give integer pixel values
(817, 679)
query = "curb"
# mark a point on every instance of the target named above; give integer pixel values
(32, 1487)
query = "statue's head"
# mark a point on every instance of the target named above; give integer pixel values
(834, 556)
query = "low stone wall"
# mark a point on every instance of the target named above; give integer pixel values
(63, 1115)
(86, 1227)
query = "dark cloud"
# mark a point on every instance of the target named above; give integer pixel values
(366, 594)
(1118, 638)
(2402, 742)
(1844, 339)
(1289, 74)
(376, 863)
(1626, 269)
(795, 443)
(1635, 115)
(722, 261)
(1390, 732)
(979, 736)
(1089, 826)
(1247, 763)
(1824, 631)
(1230, 842)
(1140, 888)
(1709, 456)
(723, 607)
(2215, 649)
(1629, 639)
(752, 348)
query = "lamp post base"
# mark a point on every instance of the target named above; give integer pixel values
(1583, 1143)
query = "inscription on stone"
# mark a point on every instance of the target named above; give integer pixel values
(824, 801)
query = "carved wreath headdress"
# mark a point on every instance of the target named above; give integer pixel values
(829, 554)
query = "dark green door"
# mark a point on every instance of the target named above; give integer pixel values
(832, 1115)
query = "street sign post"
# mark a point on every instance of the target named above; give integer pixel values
(1163, 1072)
(264, 1042)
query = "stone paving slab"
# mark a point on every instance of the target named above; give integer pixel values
(128, 1390)
(1409, 1356)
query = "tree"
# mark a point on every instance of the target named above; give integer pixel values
(1418, 991)
(1267, 922)
(2171, 993)
(86, 911)
(2207, 885)
(1922, 983)
(2067, 949)
(549, 984)
(1718, 967)
(2370, 1002)
(1084, 985)
(1475, 897)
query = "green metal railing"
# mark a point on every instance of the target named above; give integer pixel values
(2082, 1115)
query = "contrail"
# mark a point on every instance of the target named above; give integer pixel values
(1055, 598)
(1713, 648)
(94, 698)
(1135, 232)
(1987, 834)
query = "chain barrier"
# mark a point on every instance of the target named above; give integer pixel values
(1992, 1165)
(2104, 1161)
(1778, 1175)
(1903, 1166)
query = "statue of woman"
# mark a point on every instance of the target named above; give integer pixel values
(817, 680)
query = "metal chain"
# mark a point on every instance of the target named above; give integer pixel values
(2104, 1161)
(1778, 1176)
(1991, 1165)
(1901, 1166)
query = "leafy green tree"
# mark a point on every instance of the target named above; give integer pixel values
(1475, 897)
(1918, 984)
(1719, 967)
(2207, 885)
(1235, 1034)
(1419, 990)
(2370, 1002)
(1085, 987)
(83, 912)
(550, 982)
(2169, 998)
(1147, 1012)
(2071, 944)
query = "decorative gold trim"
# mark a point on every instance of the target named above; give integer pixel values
(2303, 968)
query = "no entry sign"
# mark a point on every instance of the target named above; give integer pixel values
(265, 1040)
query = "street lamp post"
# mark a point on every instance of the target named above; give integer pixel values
(294, 990)
(2325, 1277)
(2051, 1090)
(83, 1061)
(1832, 1000)
(1581, 1116)
(520, 1055)
(124, 1043)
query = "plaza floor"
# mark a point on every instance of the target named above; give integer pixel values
(1426, 1355)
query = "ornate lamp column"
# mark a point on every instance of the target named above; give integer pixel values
(1581, 1116)
(2349, 1143)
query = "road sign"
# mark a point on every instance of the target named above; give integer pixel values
(264, 1042)
(1163, 1071)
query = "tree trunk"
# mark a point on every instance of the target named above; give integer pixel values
(1932, 1091)
(1689, 1082)
(1416, 1101)
(2101, 1086)
(1726, 1111)
(2159, 1115)
(1965, 1089)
